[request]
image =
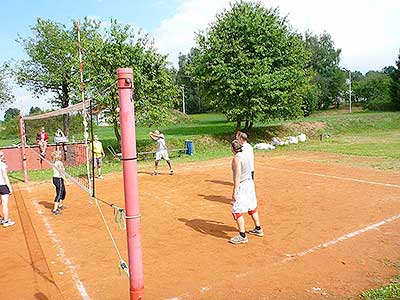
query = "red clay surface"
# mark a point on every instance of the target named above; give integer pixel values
(186, 225)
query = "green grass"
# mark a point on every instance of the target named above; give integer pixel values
(370, 134)
(387, 292)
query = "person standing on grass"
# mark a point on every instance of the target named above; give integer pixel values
(98, 155)
(161, 151)
(247, 149)
(5, 192)
(58, 181)
(243, 194)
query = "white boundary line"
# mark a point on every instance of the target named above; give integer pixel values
(61, 253)
(342, 238)
(310, 250)
(335, 177)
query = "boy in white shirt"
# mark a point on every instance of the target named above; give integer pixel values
(247, 149)
(161, 151)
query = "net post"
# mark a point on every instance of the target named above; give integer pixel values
(131, 191)
(23, 151)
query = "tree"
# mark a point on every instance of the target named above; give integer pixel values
(325, 63)
(251, 65)
(194, 103)
(52, 65)
(35, 110)
(6, 95)
(375, 89)
(11, 113)
(122, 46)
(395, 86)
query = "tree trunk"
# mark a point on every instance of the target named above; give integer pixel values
(238, 123)
(64, 104)
(116, 130)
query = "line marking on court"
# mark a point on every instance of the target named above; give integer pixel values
(61, 253)
(342, 238)
(313, 249)
(336, 177)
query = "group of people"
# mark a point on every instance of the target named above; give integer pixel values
(244, 198)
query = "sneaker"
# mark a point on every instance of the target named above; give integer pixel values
(238, 239)
(8, 223)
(171, 172)
(56, 212)
(61, 207)
(1, 220)
(256, 232)
(100, 177)
(155, 173)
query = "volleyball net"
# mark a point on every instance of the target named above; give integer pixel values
(64, 130)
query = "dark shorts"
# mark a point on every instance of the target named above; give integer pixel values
(4, 190)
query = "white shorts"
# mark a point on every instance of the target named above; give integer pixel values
(245, 197)
(162, 154)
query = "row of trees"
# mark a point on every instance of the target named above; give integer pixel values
(52, 67)
(249, 64)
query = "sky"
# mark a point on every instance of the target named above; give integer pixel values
(367, 31)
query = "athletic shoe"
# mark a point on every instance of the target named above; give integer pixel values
(61, 207)
(56, 212)
(238, 239)
(8, 223)
(155, 173)
(171, 172)
(100, 177)
(256, 232)
(1, 220)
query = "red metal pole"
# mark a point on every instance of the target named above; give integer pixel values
(129, 163)
(23, 152)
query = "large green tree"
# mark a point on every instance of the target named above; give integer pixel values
(375, 91)
(11, 113)
(52, 65)
(123, 46)
(251, 65)
(328, 77)
(6, 95)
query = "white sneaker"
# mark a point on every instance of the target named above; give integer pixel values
(171, 172)
(8, 223)
(101, 177)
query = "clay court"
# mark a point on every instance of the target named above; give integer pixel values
(332, 231)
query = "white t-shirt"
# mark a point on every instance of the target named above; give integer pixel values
(59, 165)
(3, 166)
(248, 151)
(245, 166)
(161, 143)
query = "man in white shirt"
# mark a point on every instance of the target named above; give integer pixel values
(161, 151)
(247, 149)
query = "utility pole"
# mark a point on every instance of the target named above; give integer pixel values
(183, 99)
(348, 81)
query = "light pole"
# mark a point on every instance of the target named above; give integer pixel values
(183, 99)
(348, 81)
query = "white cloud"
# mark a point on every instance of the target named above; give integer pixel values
(367, 31)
